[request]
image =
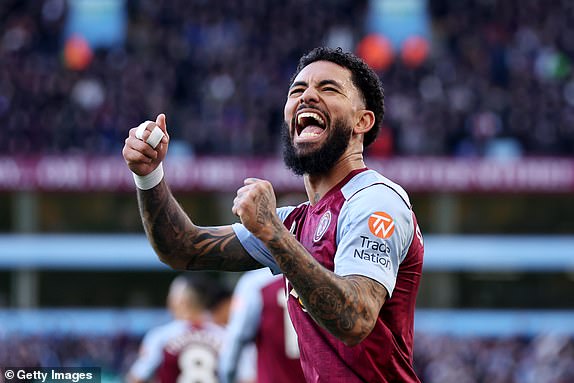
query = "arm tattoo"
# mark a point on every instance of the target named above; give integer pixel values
(345, 306)
(263, 213)
(183, 245)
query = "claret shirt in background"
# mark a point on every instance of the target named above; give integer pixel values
(259, 316)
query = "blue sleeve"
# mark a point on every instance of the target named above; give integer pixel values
(255, 247)
(374, 233)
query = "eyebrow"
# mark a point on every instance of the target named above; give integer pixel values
(321, 83)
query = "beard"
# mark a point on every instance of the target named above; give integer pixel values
(321, 160)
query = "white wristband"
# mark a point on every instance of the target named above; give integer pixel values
(151, 180)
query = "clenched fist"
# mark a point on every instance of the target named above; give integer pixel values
(255, 205)
(140, 156)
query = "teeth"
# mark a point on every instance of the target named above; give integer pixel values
(310, 115)
(308, 134)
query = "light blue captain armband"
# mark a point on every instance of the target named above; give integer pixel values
(255, 248)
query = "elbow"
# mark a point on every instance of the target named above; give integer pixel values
(358, 333)
(353, 339)
(350, 327)
(351, 342)
(171, 261)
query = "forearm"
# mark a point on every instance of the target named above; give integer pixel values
(181, 244)
(347, 307)
(338, 304)
(165, 224)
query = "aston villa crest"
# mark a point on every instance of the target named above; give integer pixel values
(324, 223)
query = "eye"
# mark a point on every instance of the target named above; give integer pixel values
(296, 91)
(330, 89)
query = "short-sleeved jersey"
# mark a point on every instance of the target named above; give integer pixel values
(362, 226)
(192, 355)
(259, 314)
(151, 349)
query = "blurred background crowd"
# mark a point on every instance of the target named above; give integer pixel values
(113, 353)
(438, 358)
(544, 358)
(484, 79)
(494, 78)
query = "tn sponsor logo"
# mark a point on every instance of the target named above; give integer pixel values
(377, 246)
(373, 257)
(381, 224)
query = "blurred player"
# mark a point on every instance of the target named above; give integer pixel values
(219, 303)
(259, 314)
(151, 349)
(187, 346)
(352, 254)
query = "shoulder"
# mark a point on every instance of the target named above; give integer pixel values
(369, 193)
(371, 183)
(159, 336)
(168, 329)
(374, 203)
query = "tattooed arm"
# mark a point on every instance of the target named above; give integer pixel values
(183, 245)
(176, 240)
(347, 307)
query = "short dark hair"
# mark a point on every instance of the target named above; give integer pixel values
(363, 77)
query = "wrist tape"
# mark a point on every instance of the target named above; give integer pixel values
(151, 180)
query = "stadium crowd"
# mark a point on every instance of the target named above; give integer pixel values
(113, 353)
(498, 80)
(507, 359)
(438, 358)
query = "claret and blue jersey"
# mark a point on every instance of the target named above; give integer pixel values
(363, 226)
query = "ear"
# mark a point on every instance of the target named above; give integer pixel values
(365, 121)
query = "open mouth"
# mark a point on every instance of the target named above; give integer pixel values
(309, 124)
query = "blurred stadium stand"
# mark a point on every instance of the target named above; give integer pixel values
(496, 82)
(479, 128)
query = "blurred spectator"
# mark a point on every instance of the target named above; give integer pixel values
(218, 70)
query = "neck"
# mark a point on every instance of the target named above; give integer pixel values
(193, 316)
(318, 185)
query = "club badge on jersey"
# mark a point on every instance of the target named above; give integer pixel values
(322, 227)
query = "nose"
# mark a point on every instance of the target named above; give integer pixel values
(310, 95)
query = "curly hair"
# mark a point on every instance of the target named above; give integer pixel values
(363, 77)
